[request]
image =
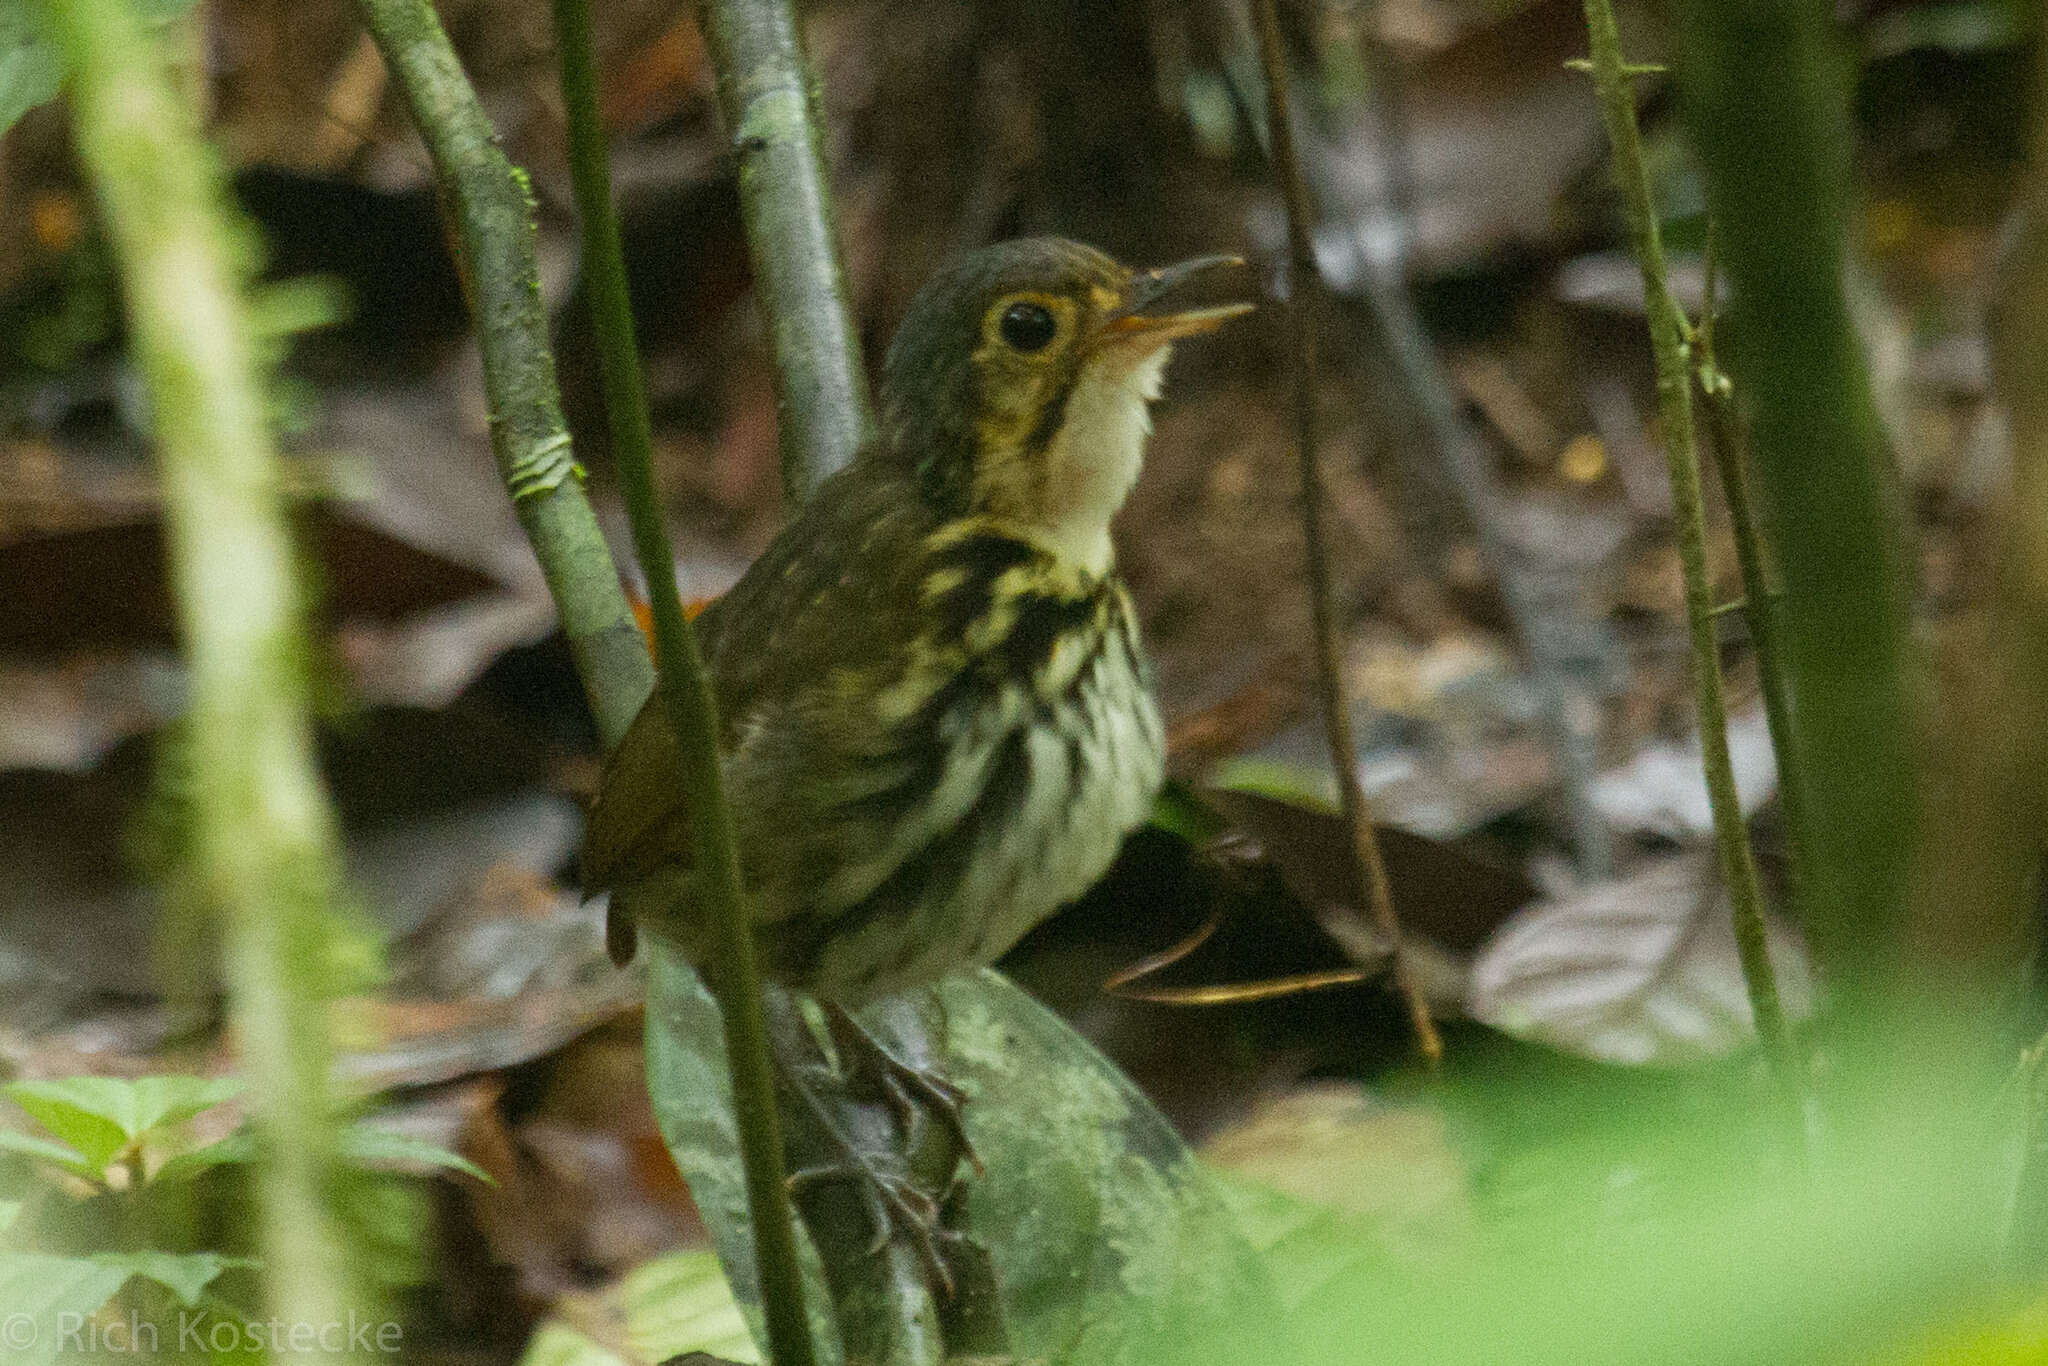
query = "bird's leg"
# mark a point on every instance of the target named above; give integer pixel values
(910, 1090)
(831, 1153)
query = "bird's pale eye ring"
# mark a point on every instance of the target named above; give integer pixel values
(1027, 327)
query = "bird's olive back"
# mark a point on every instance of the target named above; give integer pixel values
(985, 358)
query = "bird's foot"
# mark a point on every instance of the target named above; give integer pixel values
(895, 1207)
(849, 1143)
(910, 1090)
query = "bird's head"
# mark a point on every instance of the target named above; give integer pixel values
(1019, 383)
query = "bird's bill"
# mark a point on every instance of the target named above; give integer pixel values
(1157, 310)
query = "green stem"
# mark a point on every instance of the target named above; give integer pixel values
(1305, 289)
(494, 212)
(265, 839)
(821, 391)
(1681, 455)
(1765, 100)
(686, 695)
(1763, 604)
(823, 415)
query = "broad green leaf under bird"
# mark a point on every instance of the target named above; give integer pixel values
(937, 716)
(1111, 1244)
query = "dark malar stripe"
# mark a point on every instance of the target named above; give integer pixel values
(1050, 421)
(985, 556)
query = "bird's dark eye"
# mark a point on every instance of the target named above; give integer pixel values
(1027, 327)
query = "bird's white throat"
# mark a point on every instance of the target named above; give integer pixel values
(1094, 459)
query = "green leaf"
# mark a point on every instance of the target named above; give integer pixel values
(368, 1143)
(76, 1111)
(1312, 787)
(187, 1166)
(675, 1306)
(365, 1143)
(45, 1300)
(100, 1116)
(184, 1274)
(43, 1150)
(10, 1210)
(41, 1294)
(682, 1303)
(31, 67)
(163, 1101)
(1109, 1242)
(1179, 811)
(555, 1343)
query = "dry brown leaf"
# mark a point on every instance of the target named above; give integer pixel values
(1640, 970)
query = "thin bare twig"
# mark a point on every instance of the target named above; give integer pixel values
(1304, 288)
(1569, 655)
(1763, 603)
(1681, 455)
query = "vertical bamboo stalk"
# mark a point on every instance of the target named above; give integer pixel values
(1761, 89)
(1974, 921)
(824, 414)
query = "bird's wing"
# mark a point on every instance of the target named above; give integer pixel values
(639, 800)
(823, 603)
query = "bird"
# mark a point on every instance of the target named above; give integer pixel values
(936, 719)
(937, 722)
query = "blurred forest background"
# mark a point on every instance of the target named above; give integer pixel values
(1501, 528)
